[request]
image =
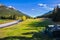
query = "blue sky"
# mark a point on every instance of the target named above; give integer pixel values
(32, 7)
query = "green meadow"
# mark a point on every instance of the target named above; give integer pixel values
(2, 21)
(25, 28)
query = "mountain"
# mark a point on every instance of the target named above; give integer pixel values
(45, 15)
(10, 12)
(54, 14)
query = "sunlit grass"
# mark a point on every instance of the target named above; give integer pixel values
(2, 21)
(30, 25)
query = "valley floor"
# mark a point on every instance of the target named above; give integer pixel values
(31, 28)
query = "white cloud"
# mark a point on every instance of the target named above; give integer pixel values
(45, 6)
(58, 4)
(33, 9)
(11, 7)
(42, 5)
(49, 8)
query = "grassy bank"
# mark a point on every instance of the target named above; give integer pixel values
(25, 29)
(2, 21)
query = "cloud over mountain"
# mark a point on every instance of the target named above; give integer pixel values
(11, 7)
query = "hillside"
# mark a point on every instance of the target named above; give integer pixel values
(10, 12)
(45, 15)
(54, 14)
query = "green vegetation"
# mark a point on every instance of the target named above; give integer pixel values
(24, 18)
(30, 28)
(2, 21)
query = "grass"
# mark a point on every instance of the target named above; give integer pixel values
(2, 21)
(25, 29)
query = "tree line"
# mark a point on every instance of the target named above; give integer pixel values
(14, 17)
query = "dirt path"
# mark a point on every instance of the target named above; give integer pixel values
(10, 23)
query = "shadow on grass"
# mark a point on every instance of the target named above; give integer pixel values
(42, 36)
(16, 38)
(28, 33)
(36, 36)
(41, 24)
